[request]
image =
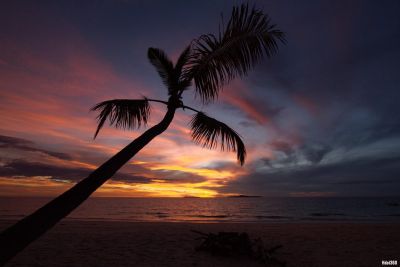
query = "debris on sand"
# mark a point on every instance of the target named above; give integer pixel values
(235, 244)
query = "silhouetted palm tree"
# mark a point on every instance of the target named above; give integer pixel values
(209, 62)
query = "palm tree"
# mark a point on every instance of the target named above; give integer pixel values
(209, 62)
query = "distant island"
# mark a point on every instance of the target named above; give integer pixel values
(235, 196)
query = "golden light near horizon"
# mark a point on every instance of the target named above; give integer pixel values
(175, 190)
(159, 188)
(47, 187)
(164, 188)
(207, 173)
(32, 186)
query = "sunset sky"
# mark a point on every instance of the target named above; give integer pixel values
(320, 118)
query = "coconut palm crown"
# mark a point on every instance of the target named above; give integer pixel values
(209, 63)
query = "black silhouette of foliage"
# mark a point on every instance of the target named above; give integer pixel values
(124, 113)
(210, 62)
(181, 69)
(207, 131)
(217, 60)
(163, 65)
(171, 76)
(181, 66)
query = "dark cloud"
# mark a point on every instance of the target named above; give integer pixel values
(178, 176)
(314, 153)
(247, 124)
(358, 131)
(266, 161)
(20, 167)
(288, 154)
(26, 145)
(363, 176)
(282, 146)
(222, 165)
(344, 63)
(17, 168)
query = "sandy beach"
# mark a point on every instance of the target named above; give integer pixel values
(97, 243)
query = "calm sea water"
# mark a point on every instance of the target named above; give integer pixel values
(219, 209)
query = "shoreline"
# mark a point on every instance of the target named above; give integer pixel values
(116, 243)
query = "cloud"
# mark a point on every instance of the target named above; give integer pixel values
(238, 94)
(314, 153)
(21, 168)
(174, 176)
(366, 176)
(26, 145)
(289, 153)
(282, 146)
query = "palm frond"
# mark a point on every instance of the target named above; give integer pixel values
(123, 113)
(248, 36)
(207, 132)
(181, 69)
(163, 65)
(182, 61)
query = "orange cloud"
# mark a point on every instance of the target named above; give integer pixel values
(236, 96)
(31, 186)
(208, 173)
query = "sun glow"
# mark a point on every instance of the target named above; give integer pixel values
(174, 190)
(208, 173)
(158, 188)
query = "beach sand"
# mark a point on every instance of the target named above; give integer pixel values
(86, 243)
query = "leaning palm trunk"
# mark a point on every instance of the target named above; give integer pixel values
(20, 235)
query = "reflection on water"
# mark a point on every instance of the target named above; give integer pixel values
(218, 209)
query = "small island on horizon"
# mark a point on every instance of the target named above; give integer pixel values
(245, 196)
(229, 196)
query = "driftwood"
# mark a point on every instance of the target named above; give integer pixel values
(234, 244)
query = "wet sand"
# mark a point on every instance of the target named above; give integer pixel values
(97, 243)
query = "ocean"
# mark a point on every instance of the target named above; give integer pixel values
(245, 209)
